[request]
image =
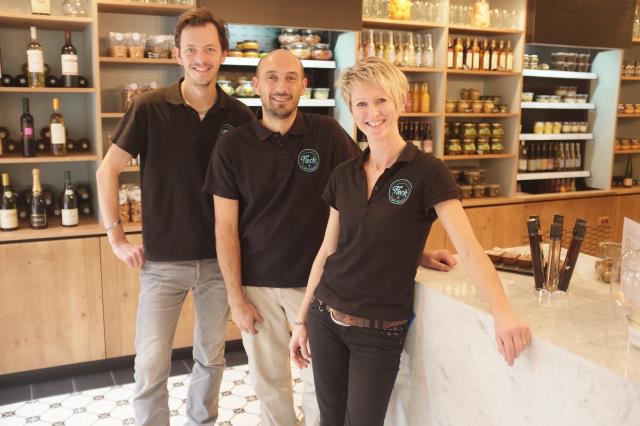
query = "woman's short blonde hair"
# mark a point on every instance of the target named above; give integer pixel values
(375, 70)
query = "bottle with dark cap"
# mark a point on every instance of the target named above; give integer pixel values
(537, 257)
(553, 264)
(579, 231)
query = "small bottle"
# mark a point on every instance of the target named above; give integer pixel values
(468, 55)
(485, 62)
(628, 173)
(509, 57)
(8, 206)
(400, 52)
(502, 57)
(27, 128)
(35, 61)
(553, 263)
(392, 49)
(415, 94)
(69, 210)
(522, 157)
(578, 165)
(458, 51)
(410, 53)
(428, 53)
(417, 59)
(494, 54)
(408, 106)
(58, 131)
(371, 47)
(38, 216)
(450, 55)
(380, 47)
(475, 51)
(424, 97)
(69, 60)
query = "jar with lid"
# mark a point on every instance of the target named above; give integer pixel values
(483, 146)
(479, 190)
(300, 50)
(453, 147)
(245, 89)
(496, 146)
(538, 127)
(472, 177)
(548, 127)
(484, 130)
(575, 127)
(483, 175)
(476, 107)
(74, 7)
(456, 173)
(469, 131)
(469, 146)
(464, 94)
(493, 190)
(566, 127)
(321, 52)
(557, 127)
(466, 191)
(488, 106)
(455, 129)
(463, 106)
(226, 87)
(450, 106)
(474, 94)
(497, 131)
(310, 37)
(288, 36)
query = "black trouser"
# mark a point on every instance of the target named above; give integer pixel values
(354, 369)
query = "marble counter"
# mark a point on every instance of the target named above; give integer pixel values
(579, 369)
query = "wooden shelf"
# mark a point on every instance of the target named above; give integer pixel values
(138, 61)
(480, 115)
(112, 115)
(556, 105)
(476, 157)
(46, 90)
(553, 175)
(635, 40)
(626, 151)
(421, 114)
(49, 22)
(628, 115)
(626, 78)
(69, 158)
(483, 73)
(573, 75)
(131, 169)
(394, 24)
(112, 6)
(556, 137)
(627, 191)
(468, 29)
(420, 69)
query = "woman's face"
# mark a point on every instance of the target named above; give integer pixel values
(374, 111)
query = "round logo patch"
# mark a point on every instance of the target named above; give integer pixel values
(399, 191)
(309, 160)
(226, 128)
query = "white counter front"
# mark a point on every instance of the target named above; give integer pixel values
(579, 369)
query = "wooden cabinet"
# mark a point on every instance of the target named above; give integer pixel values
(627, 206)
(50, 304)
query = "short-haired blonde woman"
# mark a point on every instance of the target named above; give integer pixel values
(359, 295)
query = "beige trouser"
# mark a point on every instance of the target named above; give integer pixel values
(268, 352)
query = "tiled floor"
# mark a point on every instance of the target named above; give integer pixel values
(111, 405)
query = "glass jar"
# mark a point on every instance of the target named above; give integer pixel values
(548, 127)
(74, 8)
(310, 37)
(493, 190)
(463, 106)
(496, 146)
(464, 94)
(226, 87)
(469, 146)
(476, 107)
(472, 177)
(479, 191)
(450, 106)
(300, 50)
(484, 130)
(483, 175)
(321, 52)
(557, 127)
(474, 94)
(455, 129)
(538, 127)
(488, 106)
(288, 36)
(497, 131)
(453, 147)
(483, 146)
(575, 127)
(245, 89)
(456, 173)
(469, 131)
(466, 191)
(608, 253)
(566, 127)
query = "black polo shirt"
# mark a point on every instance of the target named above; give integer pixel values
(372, 272)
(278, 181)
(174, 147)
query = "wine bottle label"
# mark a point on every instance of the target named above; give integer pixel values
(8, 194)
(509, 62)
(58, 135)
(69, 64)
(8, 219)
(27, 131)
(459, 60)
(494, 62)
(69, 217)
(35, 61)
(450, 60)
(523, 165)
(68, 192)
(41, 6)
(485, 62)
(38, 219)
(476, 61)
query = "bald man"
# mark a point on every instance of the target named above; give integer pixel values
(267, 179)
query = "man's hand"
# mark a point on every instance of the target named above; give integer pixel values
(131, 254)
(512, 335)
(245, 315)
(440, 260)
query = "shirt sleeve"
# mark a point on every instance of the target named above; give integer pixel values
(221, 175)
(131, 133)
(344, 148)
(440, 186)
(329, 194)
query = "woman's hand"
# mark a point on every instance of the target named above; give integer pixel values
(512, 335)
(298, 346)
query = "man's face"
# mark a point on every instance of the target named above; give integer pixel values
(200, 54)
(280, 83)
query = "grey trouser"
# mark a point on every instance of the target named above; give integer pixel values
(163, 288)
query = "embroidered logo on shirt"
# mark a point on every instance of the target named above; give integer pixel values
(226, 128)
(399, 191)
(309, 160)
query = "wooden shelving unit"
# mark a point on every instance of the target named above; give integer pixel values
(626, 151)
(420, 114)
(142, 8)
(137, 61)
(480, 115)
(420, 70)
(475, 73)
(27, 90)
(69, 158)
(49, 22)
(468, 29)
(394, 24)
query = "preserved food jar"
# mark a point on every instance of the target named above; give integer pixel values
(288, 36)
(300, 50)
(321, 52)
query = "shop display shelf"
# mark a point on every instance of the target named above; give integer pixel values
(554, 175)
(421, 114)
(478, 73)
(255, 102)
(420, 69)
(628, 115)
(394, 24)
(560, 74)
(42, 159)
(627, 191)
(469, 29)
(556, 137)
(480, 115)
(253, 62)
(137, 61)
(556, 105)
(87, 226)
(45, 22)
(113, 6)
(476, 157)
(626, 151)
(635, 40)
(627, 78)
(112, 115)
(47, 90)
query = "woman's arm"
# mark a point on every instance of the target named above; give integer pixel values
(512, 334)
(298, 348)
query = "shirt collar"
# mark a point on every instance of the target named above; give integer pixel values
(406, 156)
(173, 95)
(298, 128)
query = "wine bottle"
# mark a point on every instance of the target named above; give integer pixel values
(41, 7)
(35, 61)
(450, 56)
(69, 203)
(21, 80)
(26, 125)
(628, 173)
(69, 59)
(58, 132)
(522, 162)
(458, 53)
(84, 208)
(38, 216)
(82, 190)
(43, 146)
(428, 53)
(494, 55)
(82, 145)
(8, 206)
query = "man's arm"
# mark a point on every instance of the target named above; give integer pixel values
(107, 179)
(243, 313)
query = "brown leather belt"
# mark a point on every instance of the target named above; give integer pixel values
(363, 322)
